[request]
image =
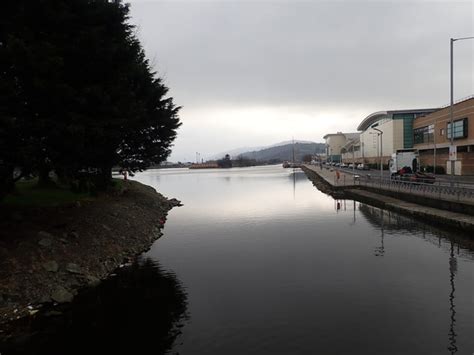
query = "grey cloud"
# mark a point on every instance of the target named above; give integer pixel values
(319, 53)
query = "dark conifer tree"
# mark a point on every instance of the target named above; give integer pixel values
(78, 94)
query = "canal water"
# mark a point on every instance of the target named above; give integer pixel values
(258, 261)
(271, 265)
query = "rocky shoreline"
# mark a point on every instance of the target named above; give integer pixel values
(48, 255)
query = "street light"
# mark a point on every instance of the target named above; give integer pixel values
(381, 149)
(452, 40)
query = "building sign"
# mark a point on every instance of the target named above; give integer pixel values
(453, 152)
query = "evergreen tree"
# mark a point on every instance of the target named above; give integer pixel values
(78, 95)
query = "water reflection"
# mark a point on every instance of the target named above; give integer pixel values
(393, 224)
(380, 250)
(452, 307)
(273, 266)
(140, 310)
(371, 214)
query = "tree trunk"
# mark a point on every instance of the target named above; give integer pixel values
(7, 183)
(105, 177)
(43, 177)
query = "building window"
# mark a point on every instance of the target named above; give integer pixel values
(441, 131)
(460, 129)
(424, 134)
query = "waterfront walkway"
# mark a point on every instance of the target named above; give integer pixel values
(339, 178)
(429, 203)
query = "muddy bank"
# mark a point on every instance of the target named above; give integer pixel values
(47, 255)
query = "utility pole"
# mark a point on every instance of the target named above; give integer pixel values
(353, 160)
(381, 150)
(451, 150)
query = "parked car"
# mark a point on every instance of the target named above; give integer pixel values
(362, 167)
(406, 174)
(343, 165)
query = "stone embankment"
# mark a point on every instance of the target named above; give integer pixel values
(446, 216)
(48, 255)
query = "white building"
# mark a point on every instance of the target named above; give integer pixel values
(334, 144)
(351, 152)
(383, 133)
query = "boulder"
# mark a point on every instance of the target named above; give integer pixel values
(45, 242)
(73, 268)
(61, 295)
(51, 266)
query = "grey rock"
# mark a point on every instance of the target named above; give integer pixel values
(74, 235)
(45, 242)
(92, 280)
(106, 227)
(61, 295)
(51, 266)
(73, 268)
(63, 240)
(45, 299)
(43, 234)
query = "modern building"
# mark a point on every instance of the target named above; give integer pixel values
(334, 144)
(383, 133)
(432, 137)
(351, 152)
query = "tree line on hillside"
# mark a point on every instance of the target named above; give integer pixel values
(77, 95)
(284, 152)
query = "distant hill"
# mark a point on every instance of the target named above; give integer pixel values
(284, 151)
(234, 153)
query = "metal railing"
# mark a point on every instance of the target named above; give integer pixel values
(461, 192)
(442, 189)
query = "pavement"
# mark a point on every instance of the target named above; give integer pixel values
(459, 193)
(462, 181)
(338, 178)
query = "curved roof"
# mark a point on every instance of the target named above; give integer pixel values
(371, 119)
(380, 115)
(347, 135)
(333, 134)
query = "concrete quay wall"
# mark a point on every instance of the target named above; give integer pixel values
(444, 214)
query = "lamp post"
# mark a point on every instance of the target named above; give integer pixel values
(434, 148)
(380, 133)
(452, 40)
(353, 159)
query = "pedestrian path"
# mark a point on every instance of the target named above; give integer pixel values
(334, 177)
(338, 178)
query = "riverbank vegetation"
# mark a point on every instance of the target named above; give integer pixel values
(77, 97)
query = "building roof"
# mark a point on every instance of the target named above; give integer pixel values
(347, 135)
(352, 142)
(380, 115)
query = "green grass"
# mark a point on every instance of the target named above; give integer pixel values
(28, 194)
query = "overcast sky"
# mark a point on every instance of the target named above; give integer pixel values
(253, 73)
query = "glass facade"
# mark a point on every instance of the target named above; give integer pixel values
(460, 129)
(424, 134)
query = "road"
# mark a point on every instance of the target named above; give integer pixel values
(461, 181)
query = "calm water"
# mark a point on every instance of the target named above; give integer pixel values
(258, 261)
(271, 265)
